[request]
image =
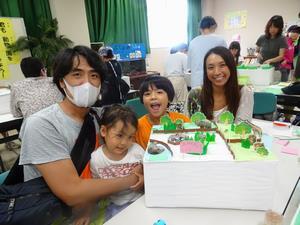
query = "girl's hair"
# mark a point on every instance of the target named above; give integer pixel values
(232, 89)
(236, 45)
(160, 83)
(64, 63)
(276, 21)
(117, 112)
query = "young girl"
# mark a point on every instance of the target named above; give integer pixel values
(220, 90)
(117, 156)
(156, 92)
(235, 49)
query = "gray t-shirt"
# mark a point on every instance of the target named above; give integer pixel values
(48, 135)
(269, 48)
(198, 48)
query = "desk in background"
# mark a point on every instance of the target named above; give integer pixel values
(283, 99)
(288, 172)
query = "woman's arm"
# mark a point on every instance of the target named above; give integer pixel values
(62, 178)
(279, 58)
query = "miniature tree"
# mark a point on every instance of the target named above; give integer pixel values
(262, 151)
(210, 137)
(246, 143)
(232, 127)
(243, 129)
(179, 124)
(226, 117)
(197, 117)
(167, 123)
(204, 152)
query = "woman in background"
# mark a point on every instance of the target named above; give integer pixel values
(271, 45)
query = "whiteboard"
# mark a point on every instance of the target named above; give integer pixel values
(15, 70)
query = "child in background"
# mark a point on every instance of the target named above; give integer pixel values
(235, 49)
(287, 64)
(156, 92)
(116, 157)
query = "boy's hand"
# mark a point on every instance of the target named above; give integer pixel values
(84, 220)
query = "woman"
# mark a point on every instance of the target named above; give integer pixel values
(49, 135)
(271, 46)
(220, 90)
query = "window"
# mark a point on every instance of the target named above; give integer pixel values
(167, 22)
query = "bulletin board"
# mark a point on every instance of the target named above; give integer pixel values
(11, 28)
(235, 20)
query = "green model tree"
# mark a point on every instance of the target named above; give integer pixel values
(262, 151)
(197, 117)
(167, 123)
(226, 117)
(243, 129)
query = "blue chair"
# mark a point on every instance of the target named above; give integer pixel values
(136, 105)
(264, 105)
(3, 176)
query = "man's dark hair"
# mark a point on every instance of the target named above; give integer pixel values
(31, 67)
(159, 82)
(207, 22)
(64, 63)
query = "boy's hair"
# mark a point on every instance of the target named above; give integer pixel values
(64, 63)
(276, 21)
(207, 22)
(160, 83)
(117, 112)
(31, 67)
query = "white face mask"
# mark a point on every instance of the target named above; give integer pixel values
(84, 95)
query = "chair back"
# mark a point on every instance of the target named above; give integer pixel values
(136, 105)
(264, 103)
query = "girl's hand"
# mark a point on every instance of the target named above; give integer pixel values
(84, 220)
(139, 186)
(138, 171)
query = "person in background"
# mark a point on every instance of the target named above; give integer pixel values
(116, 157)
(49, 135)
(175, 68)
(156, 92)
(199, 46)
(294, 87)
(294, 34)
(114, 89)
(287, 64)
(235, 49)
(271, 45)
(220, 91)
(35, 92)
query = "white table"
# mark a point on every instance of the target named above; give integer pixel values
(288, 173)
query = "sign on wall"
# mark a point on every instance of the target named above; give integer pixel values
(7, 37)
(235, 20)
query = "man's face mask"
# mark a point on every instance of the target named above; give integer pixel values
(84, 95)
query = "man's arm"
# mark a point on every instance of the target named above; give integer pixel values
(62, 178)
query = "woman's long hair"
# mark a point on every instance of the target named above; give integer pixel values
(232, 89)
(276, 21)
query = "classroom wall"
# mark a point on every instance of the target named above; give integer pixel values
(72, 20)
(258, 13)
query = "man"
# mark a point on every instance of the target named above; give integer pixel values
(175, 69)
(200, 45)
(35, 92)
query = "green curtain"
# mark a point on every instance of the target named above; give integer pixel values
(118, 21)
(194, 17)
(31, 11)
